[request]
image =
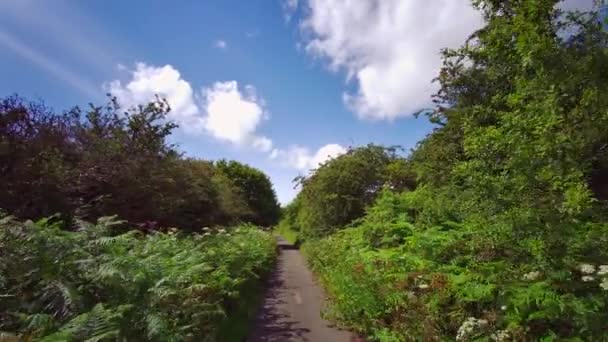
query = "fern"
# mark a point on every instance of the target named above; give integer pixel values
(61, 299)
(90, 285)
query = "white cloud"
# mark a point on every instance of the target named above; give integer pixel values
(292, 4)
(262, 143)
(221, 111)
(166, 81)
(302, 159)
(289, 8)
(221, 44)
(234, 116)
(390, 48)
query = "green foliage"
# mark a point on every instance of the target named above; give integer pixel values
(256, 189)
(288, 225)
(504, 236)
(338, 192)
(397, 281)
(107, 161)
(91, 285)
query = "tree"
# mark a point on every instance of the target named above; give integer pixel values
(523, 111)
(36, 158)
(109, 161)
(339, 190)
(257, 190)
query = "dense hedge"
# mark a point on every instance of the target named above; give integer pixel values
(96, 285)
(504, 235)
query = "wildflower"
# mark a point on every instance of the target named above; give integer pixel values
(587, 268)
(469, 327)
(206, 234)
(603, 270)
(604, 284)
(503, 308)
(423, 286)
(500, 336)
(221, 231)
(587, 279)
(532, 275)
(206, 228)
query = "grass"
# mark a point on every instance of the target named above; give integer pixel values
(287, 234)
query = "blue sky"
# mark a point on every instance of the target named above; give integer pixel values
(280, 85)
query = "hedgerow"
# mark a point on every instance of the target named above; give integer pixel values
(394, 280)
(504, 234)
(98, 284)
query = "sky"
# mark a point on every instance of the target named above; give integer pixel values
(281, 85)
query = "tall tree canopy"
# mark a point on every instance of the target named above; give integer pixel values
(339, 190)
(106, 161)
(257, 190)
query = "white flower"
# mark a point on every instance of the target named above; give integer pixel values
(604, 284)
(532, 275)
(469, 327)
(603, 270)
(503, 308)
(500, 336)
(206, 234)
(587, 279)
(222, 230)
(587, 268)
(423, 286)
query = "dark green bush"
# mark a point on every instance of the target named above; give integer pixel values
(108, 161)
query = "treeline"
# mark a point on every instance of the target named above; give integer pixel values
(494, 227)
(174, 265)
(108, 161)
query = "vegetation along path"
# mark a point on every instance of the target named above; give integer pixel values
(292, 304)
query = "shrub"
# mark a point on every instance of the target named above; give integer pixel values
(397, 281)
(90, 284)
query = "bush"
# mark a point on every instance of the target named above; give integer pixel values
(397, 281)
(94, 285)
(338, 192)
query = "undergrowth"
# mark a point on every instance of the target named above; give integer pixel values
(393, 280)
(288, 234)
(96, 285)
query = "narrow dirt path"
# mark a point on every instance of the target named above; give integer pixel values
(292, 305)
